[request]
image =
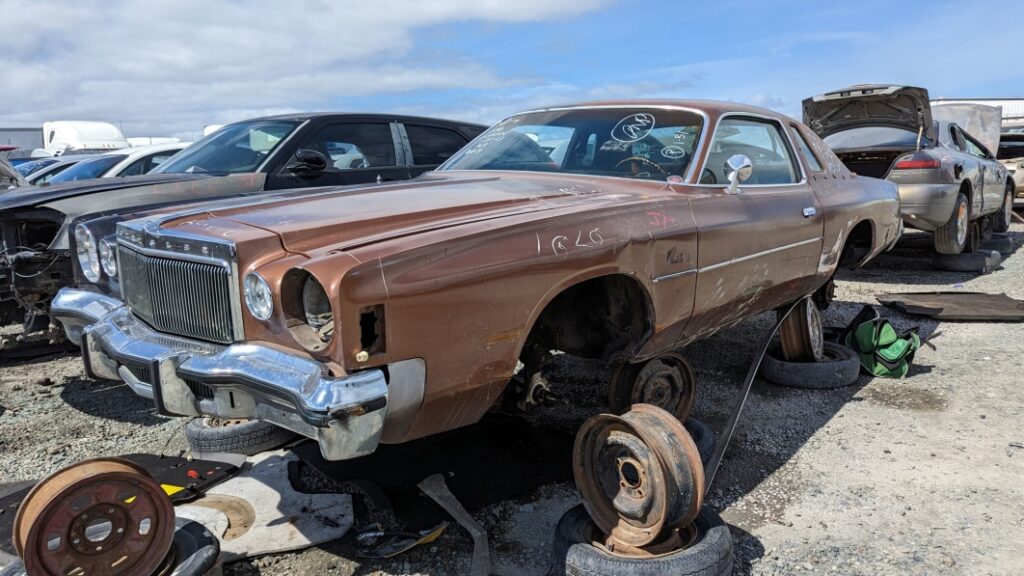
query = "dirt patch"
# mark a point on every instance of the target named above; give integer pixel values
(901, 396)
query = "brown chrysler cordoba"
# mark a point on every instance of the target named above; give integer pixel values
(616, 230)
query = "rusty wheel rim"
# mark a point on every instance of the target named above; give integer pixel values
(802, 334)
(639, 474)
(102, 516)
(667, 381)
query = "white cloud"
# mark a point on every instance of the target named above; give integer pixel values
(161, 67)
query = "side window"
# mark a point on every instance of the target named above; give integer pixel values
(432, 145)
(158, 159)
(135, 168)
(759, 140)
(974, 149)
(354, 146)
(812, 160)
(958, 141)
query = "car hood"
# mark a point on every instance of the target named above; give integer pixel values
(9, 176)
(37, 195)
(345, 218)
(870, 105)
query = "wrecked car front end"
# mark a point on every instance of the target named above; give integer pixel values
(178, 338)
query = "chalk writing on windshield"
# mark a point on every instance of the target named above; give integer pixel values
(633, 127)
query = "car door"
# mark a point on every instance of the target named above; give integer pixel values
(758, 248)
(430, 146)
(355, 152)
(991, 175)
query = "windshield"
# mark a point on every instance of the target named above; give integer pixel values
(234, 149)
(874, 137)
(86, 169)
(644, 143)
(27, 168)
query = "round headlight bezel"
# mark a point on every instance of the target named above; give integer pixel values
(88, 255)
(108, 258)
(259, 298)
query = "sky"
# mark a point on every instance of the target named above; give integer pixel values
(169, 68)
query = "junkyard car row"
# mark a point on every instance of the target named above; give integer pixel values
(297, 270)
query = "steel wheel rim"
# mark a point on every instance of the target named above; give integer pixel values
(102, 516)
(802, 335)
(815, 331)
(667, 381)
(961, 224)
(638, 474)
(1008, 205)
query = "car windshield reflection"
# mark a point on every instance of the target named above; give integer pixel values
(642, 143)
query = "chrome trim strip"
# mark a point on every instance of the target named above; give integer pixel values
(158, 253)
(782, 128)
(683, 273)
(673, 275)
(759, 254)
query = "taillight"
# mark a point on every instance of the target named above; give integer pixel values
(917, 164)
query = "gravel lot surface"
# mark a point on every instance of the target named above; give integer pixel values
(917, 476)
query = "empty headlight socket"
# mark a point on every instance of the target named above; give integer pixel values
(371, 330)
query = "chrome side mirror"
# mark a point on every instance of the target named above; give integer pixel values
(738, 169)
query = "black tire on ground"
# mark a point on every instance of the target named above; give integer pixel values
(1002, 218)
(702, 436)
(235, 436)
(575, 555)
(951, 238)
(840, 368)
(982, 261)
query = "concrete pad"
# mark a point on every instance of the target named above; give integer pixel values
(258, 512)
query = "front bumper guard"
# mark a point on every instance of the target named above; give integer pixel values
(344, 414)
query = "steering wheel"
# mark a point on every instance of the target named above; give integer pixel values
(642, 160)
(708, 177)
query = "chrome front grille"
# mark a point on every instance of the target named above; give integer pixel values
(182, 297)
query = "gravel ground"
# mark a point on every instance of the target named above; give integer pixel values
(913, 476)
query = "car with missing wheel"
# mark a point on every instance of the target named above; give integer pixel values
(363, 315)
(950, 184)
(257, 156)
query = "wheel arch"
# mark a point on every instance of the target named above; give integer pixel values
(603, 281)
(861, 244)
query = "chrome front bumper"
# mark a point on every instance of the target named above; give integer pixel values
(191, 378)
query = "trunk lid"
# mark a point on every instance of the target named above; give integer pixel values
(904, 107)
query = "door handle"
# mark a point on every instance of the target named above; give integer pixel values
(810, 211)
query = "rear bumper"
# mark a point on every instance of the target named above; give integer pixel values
(344, 414)
(927, 206)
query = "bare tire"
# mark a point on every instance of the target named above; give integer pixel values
(840, 367)
(1001, 219)
(801, 333)
(235, 436)
(951, 237)
(575, 552)
(702, 436)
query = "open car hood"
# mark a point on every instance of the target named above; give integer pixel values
(904, 107)
(981, 121)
